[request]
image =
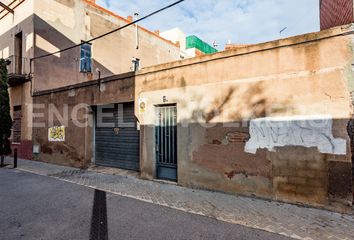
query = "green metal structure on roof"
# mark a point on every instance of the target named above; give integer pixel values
(195, 42)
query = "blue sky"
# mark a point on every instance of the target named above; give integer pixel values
(241, 21)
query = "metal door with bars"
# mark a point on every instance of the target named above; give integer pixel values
(166, 142)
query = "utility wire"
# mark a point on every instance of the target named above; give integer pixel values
(108, 33)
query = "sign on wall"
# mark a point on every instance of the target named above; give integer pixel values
(142, 105)
(56, 134)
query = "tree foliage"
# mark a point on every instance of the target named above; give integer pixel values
(5, 117)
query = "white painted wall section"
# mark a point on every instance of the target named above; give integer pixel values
(306, 131)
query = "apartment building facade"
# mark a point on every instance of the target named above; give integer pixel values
(35, 28)
(191, 46)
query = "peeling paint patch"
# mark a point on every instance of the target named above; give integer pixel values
(216, 142)
(232, 174)
(238, 137)
(233, 137)
(306, 131)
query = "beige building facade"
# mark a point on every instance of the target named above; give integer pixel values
(39, 27)
(272, 120)
(269, 120)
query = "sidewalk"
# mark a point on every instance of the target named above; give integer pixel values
(285, 219)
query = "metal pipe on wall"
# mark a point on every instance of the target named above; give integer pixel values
(136, 14)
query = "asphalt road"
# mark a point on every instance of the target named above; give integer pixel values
(38, 207)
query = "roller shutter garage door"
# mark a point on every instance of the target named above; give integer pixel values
(117, 137)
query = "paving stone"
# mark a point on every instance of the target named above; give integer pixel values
(286, 219)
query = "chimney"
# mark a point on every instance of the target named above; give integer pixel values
(157, 32)
(130, 18)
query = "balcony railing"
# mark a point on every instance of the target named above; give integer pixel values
(18, 65)
(17, 69)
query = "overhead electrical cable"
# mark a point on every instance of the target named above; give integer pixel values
(110, 32)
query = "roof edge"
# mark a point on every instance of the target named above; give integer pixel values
(127, 21)
(260, 47)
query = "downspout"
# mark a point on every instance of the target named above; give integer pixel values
(136, 14)
(30, 77)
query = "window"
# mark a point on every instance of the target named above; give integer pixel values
(85, 58)
(16, 128)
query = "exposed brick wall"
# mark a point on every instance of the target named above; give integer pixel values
(335, 13)
(301, 180)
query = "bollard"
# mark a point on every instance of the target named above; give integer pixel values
(15, 158)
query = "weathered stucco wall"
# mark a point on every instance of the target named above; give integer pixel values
(299, 81)
(21, 96)
(64, 23)
(72, 107)
(12, 24)
(50, 25)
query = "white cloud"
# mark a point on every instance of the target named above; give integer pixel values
(241, 21)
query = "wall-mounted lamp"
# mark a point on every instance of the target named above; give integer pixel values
(135, 64)
(98, 71)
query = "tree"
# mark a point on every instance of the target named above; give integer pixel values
(5, 117)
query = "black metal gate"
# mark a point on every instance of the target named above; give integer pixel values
(116, 137)
(166, 142)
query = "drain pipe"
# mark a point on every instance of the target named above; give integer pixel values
(136, 15)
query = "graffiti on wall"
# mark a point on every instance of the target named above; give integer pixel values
(56, 134)
(306, 131)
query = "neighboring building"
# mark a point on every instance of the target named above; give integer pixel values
(178, 37)
(197, 47)
(336, 13)
(39, 27)
(190, 46)
(268, 120)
